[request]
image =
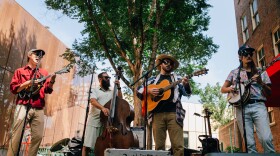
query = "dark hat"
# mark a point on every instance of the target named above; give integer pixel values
(246, 48)
(164, 56)
(37, 51)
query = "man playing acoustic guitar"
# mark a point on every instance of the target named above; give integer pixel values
(21, 81)
(255, 111)
(168, 114)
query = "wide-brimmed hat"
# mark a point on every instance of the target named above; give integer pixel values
(165, 56)
(37, 51)
(246, 48)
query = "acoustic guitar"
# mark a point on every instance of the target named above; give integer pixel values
(165, 90)
(25, 93)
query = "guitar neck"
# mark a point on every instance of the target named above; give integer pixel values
(172, 85)
(175, 83)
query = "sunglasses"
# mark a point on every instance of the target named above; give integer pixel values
(107, 77)
(37, 54)
(247, 54)
(166, 62)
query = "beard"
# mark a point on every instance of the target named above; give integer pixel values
(105, 84)
(167, 69)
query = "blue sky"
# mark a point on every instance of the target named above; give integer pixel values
(222, 28)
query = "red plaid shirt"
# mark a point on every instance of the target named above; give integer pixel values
(24, 74)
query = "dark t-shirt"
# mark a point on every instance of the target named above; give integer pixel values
(166, 105)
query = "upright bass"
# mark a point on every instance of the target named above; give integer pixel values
(116, 127)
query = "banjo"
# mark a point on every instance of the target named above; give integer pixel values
(234, 98)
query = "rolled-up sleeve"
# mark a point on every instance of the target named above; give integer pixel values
(15, 83)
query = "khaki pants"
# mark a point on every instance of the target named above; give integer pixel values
(35, 118)
(167, 121)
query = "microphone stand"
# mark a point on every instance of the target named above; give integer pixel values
(87, 110)
(28, 106)
(146, 98)
(242, 106)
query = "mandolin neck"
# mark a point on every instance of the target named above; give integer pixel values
(44, 78)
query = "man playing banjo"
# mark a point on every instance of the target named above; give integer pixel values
(255, 111)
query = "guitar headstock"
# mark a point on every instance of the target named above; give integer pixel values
(64, 70)
(202, 71)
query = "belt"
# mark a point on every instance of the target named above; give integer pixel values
(254, 101)
(37, 108)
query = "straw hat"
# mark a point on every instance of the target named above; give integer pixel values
(164, 56)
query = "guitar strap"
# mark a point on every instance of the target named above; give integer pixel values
(176, 90)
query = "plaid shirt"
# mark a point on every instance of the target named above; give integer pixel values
(179, 91)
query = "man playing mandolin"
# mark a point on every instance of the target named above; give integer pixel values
(255, 111)
(169, 114)
(22, 82)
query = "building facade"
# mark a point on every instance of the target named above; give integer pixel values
(258, 25)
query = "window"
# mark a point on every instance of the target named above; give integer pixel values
(186, 138)
(276, 40)
(255, 14)
(245, 31)
(261, 58)
(270, 115)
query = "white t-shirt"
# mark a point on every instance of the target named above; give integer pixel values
(102, 97)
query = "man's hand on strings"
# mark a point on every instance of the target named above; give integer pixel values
(153, 91)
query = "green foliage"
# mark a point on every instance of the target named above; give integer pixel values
(233, 149)
(212, 98)
(130, 34)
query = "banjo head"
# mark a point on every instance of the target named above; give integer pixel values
(234, 97)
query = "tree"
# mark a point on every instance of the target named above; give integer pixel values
(212, 98)
(130, 34)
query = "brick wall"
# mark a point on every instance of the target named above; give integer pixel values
(269, 12)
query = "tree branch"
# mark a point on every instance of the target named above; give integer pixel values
(103, 40)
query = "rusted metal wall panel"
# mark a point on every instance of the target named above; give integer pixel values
(20, 32)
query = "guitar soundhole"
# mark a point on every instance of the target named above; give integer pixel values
(157, 98)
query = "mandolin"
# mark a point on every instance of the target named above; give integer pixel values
(165, 90)
(25, 93)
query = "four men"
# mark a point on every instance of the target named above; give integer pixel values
(168, 115)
